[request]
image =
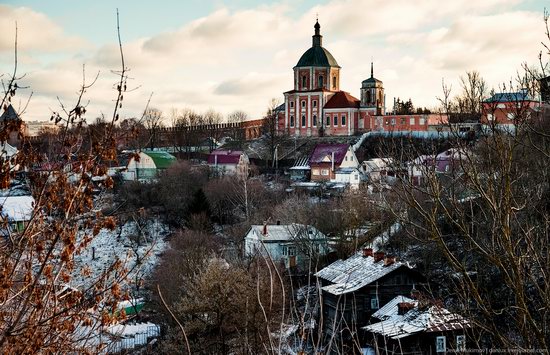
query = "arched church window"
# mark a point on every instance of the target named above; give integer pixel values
(304, 81)
(291, 121)
(368, 98)
(303, 120)
(314, 120)
(321, 81)
(343, 120)
(328, 120)
(334, 82)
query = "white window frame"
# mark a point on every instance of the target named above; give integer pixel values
(440, 344)
(460, 342)
(324, 172)
(374, 303)
(422, 121)
(411, 121)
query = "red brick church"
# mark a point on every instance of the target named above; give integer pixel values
(317, 107)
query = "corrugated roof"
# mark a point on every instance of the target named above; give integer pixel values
(342, 99)
(390, 309)
(431, 319)
(301, 164)
(354, 273)
(161, 159)
(323, 153)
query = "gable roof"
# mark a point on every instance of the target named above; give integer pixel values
(342, 99)
(354, 273)
(225, 156)
(161, 159)
(419, 319)
(284, 232)
(17, 208)
(323, 153)
(9, 115)
(509, 97)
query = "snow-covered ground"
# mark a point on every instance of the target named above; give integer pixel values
(122, 243)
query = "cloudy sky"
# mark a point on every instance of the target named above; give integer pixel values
(229, 55)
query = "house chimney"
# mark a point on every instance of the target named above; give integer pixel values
(367, 252)
(415, 294)
(278, 222)
(404, 307)
(379, 255)
(389, 260)
(264, 232)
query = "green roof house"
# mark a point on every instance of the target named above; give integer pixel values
(149, 164)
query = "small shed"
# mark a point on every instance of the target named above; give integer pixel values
(17, 210)
(149, 164)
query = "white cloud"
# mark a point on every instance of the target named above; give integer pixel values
(36, 32)
(231, 60)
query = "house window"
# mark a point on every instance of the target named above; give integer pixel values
(356, 177)
(314, 103)
(314, 120)
(501, 106)
(374, 303)
(393, 121)
(289, 250)
(291, 121)
(422, 121)
(440, 344)
(510, 116)
(320, 81)
(489, 117)
(334, 82)
(303, 120)
(335, 121)
(328, 120)
(304, 82)
(403, 121)
(346, 158)
(291, 104)
(315, 172)
(324, 172)
(387, 121)
(411, 121)
(460, 342)
(343, 120)
(303, 103)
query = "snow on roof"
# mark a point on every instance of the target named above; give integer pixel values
(301, 164)
(346, 170)
(129, 330)
(284, 232)
(323, 153)
(425, 319)
(354, 273)
(391, 309)
(17, 208)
